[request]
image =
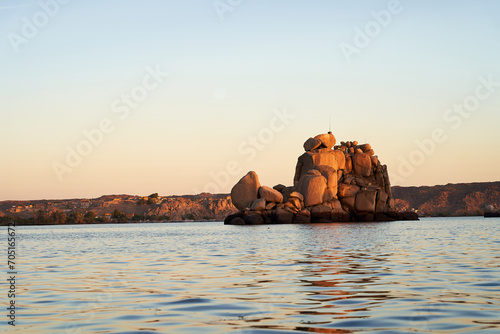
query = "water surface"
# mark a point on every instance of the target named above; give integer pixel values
(432, 276)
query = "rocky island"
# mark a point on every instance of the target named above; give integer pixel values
(332, 183)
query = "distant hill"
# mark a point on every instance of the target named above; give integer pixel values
(461, 199)
(176, 208)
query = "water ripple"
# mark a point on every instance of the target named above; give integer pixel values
(432, 276)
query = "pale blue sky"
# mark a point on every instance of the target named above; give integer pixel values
(226, 78)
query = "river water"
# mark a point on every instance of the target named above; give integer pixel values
(437, 275)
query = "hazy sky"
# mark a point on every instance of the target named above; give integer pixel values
(179, 97)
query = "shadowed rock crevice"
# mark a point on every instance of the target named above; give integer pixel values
(340, 183)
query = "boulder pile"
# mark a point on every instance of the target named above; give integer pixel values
(332, 183)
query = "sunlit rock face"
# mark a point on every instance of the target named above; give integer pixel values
(332, 183)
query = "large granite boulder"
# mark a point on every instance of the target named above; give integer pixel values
(235, 219)
(338, 212)
(330, 194)
(312, 186)
(365, 147)
(253, 218)
(283, 216)
(270, 206)
(328, 139)
(362, 164)
(348, 164)
(279, 187)
(298, 195)
(381, 204)
(297, 203)
(312, 159)
(245, 192)
(340, 160)
(365, 201)
(346, 190)
(258, 205)
(387, 184)
(321, 214)
(329, 173)
(270, 195)
(348, 203)
(370, 152)
(302, 217)
(311, 144)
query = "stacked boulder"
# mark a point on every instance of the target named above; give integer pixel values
(332, 183)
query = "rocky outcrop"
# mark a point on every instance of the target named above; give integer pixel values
(245, 192)
(312, 186)
(332, 183)
(199, 207)
(327, 140)
(462, 199)
(311, 144)
(270, 195)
